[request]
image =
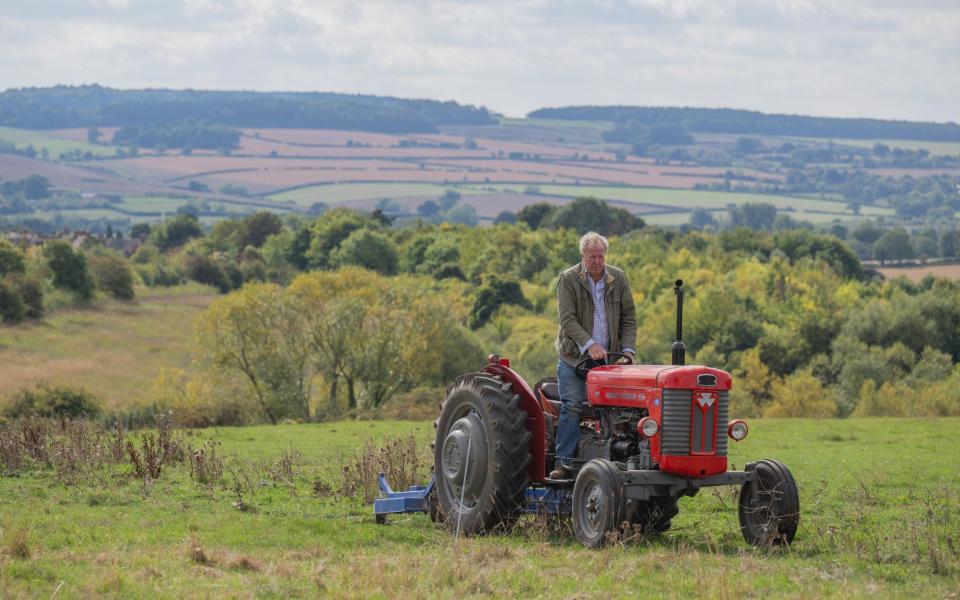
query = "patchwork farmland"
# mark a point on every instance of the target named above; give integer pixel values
(494, 168)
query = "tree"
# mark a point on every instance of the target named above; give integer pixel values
(867, 232)
(701, 218)
(754, 215)
(495, 293)
(329, 231)
(259, 332)
(893, 245)
(449, 199)
(590, 214)
(369, 249)
(377, 335)
(465, 214)
(36, 187)
(949, 244)
(176, 232)
(140, 229)
(93, 135)
(749, 145)
(505, 216)
(69, 269)
(535, 214)
(255, 229)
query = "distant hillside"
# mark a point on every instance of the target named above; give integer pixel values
(726, 120)
(94, 105)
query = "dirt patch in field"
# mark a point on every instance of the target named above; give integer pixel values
(916, 274)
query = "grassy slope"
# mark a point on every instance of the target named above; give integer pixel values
(114, 350)
(54, 145)
(874, 494)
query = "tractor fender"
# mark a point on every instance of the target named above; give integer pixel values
(535, 421)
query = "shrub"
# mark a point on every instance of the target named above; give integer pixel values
(204, 269)
(113, 275)
(12, 308)
(69, 269)
(800, 395)
(46, 401)
(11, 258)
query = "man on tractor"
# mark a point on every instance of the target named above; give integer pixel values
(597, 317)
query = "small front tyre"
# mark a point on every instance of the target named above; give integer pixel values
(598, 503)
(770, 506)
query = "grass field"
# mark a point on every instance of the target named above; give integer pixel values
(562, 123)
(808, 209)
(334, 194)
(880, 501)
(54, 145)
(933, 147)
(114, 350)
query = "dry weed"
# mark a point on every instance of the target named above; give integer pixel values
(196, 553)
(206, 466)
(399, 459)
(17, 544)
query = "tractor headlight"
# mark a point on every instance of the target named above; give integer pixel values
(737, 430)
(648, 427)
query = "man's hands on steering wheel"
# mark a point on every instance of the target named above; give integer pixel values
(606, 358)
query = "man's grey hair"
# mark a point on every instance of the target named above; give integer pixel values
(592, 238)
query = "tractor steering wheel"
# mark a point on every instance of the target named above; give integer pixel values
(586, 363)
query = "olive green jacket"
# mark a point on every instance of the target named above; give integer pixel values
(575, 309)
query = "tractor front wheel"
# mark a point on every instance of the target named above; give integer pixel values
(598, 503)
(770, 506)
(654, 516)
(481, 454)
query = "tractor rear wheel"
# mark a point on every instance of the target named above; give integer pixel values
(481, 454)
(770, 506)
(654, 516)
(598, 502)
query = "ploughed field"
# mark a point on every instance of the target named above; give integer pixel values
(880, 501)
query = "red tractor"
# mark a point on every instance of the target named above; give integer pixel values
(649, 435)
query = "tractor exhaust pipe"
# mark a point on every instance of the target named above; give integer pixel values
(679, 350)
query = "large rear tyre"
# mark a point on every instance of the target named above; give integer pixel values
(481, 454)
(655, 516)
(770, 507)
(598, 503)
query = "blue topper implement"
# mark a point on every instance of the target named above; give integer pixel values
(415, 499)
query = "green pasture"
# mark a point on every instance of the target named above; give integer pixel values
(54, 145)
(345, 192)
(803, 208)
(880, 503)
(557, 123)
(933, 147)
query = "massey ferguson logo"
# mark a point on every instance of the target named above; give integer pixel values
(706, 399)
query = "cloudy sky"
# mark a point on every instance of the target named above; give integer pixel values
(874, 58)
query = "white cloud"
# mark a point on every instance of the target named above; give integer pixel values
(880, 58)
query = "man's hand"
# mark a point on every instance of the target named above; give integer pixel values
(597, 352)
(627, 355)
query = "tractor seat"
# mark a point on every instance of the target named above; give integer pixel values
(550, 389)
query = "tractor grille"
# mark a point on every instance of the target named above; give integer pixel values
(677, 423)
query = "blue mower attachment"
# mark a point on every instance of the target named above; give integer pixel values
(417, 498)
(420, 498)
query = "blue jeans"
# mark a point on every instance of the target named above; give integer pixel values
(572, 394)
